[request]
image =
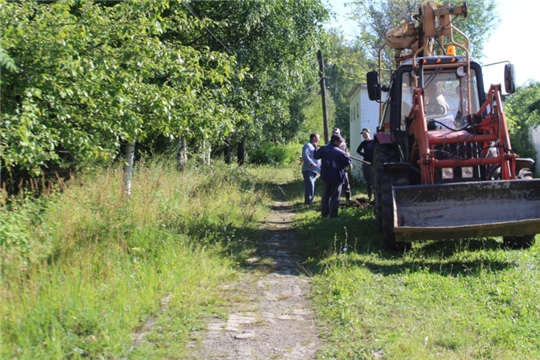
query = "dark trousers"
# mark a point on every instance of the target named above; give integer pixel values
(309, 186)
(366, 172)
(347, 186)
(330, 199)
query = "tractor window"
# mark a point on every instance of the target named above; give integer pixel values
(407, 89)
(445, 96)
(386, 112)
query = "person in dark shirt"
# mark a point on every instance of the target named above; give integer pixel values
(365, 149)
(334, 162)
(346, 188)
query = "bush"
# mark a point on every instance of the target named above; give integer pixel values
(523, 114)
(270, 154)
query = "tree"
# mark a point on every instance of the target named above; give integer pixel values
(523, 113)
(275, 41)
(376, 17)
(346, 65)
(80, 80)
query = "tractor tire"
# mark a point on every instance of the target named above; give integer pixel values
(526, 241)
(387, 211)
(382, 153)
(519, 242)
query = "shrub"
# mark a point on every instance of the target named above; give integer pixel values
(281, 154)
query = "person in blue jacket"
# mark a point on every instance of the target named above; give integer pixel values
(333, 165)
(310, 167)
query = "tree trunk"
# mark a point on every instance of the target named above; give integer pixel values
(181, 153)
(241, 152)
(128, 167)
(205, 153)
(2, 190)
(227, 153)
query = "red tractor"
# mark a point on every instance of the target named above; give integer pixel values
(443, 166)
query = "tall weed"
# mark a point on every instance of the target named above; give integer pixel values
(82, 271)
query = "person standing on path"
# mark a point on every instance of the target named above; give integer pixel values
(346, 184)
(365, 149)
(334, 163)
(310, 167)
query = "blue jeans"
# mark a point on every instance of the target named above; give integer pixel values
(309, 186)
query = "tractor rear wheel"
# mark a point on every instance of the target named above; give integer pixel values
(526, 241)
(382, 153)
(387, 211)
(519, 242)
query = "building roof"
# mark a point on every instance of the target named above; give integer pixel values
(356, 87)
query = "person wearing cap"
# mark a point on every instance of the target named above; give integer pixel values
(365, 149)
(333, 165)
(346, 185)
(310, 167)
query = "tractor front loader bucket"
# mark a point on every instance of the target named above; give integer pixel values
(467, 210)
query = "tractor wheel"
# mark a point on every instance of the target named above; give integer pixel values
(387, 211)
(382, 153)
(494, 172)
(526, 241)
(519, 242)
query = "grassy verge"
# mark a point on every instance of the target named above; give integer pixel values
(84, 270)
(470, 299)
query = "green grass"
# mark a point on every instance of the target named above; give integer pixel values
(83, 270)
(469, 299)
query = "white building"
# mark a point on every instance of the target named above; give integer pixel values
(363, 113)
(534, 133)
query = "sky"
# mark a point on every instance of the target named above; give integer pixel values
(514, 40)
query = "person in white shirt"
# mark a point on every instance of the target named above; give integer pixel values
(310, 167)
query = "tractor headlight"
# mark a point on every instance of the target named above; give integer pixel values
(447, 173)
(467, 172)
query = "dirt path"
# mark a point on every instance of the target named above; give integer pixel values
(270, 315)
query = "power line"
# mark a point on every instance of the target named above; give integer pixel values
(207, 29)
(315, 84)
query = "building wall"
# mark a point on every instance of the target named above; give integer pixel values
(364, 113)
(535, 137)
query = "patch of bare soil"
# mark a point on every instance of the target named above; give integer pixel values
(270, 316)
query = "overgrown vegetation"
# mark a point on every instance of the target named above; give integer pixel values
(83, 270)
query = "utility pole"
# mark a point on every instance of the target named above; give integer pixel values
(323, 94)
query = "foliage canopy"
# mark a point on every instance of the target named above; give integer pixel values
(79, 79)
